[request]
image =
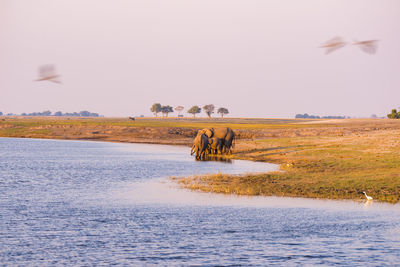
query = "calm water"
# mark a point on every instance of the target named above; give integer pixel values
(93, 203)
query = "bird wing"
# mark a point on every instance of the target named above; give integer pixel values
(54, 80)
(333, 44)
(332, 48)
(369, 46)
(47, 71)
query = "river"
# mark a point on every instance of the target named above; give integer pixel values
(97, 203)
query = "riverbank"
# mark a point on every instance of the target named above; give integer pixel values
(319, 158)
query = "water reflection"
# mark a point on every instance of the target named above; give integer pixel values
(367, 204)
(216, 158)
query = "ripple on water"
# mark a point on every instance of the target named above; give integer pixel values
(91, 203)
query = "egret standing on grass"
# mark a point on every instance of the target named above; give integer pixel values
(368, 197)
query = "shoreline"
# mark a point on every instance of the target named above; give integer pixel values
(318, 160)
(171, 193)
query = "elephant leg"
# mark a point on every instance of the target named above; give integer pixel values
(230, 145)
(228, 150)
(205, 153)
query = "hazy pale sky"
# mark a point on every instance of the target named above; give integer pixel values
(256, 58)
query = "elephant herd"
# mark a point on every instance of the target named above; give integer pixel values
(213, 141)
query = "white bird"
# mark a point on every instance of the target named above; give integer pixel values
(48, 73)
(368, 197)
(333, 44)
(369, 46)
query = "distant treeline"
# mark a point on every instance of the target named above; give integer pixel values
(84, 113)
(306, 116)
(208, 109)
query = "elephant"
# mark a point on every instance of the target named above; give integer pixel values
(224, 133)
(216, 145)
(229, 139)
(200, 145)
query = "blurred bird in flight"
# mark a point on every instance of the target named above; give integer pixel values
(48, 73)
(369, 46)
(333, 44)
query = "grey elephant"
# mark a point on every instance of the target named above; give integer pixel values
(200, 145)
(216, 145)
(224, 133)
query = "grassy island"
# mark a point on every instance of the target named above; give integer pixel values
(335, 159)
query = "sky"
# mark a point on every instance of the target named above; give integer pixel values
(258, 58)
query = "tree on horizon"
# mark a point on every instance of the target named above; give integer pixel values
(223, 111)
(194, 110)
(156, 108)
(394, 114)
(209, 109)
(84, 113)
(46, 113)
(166, 109)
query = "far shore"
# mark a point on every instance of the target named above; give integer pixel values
(334, 159)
